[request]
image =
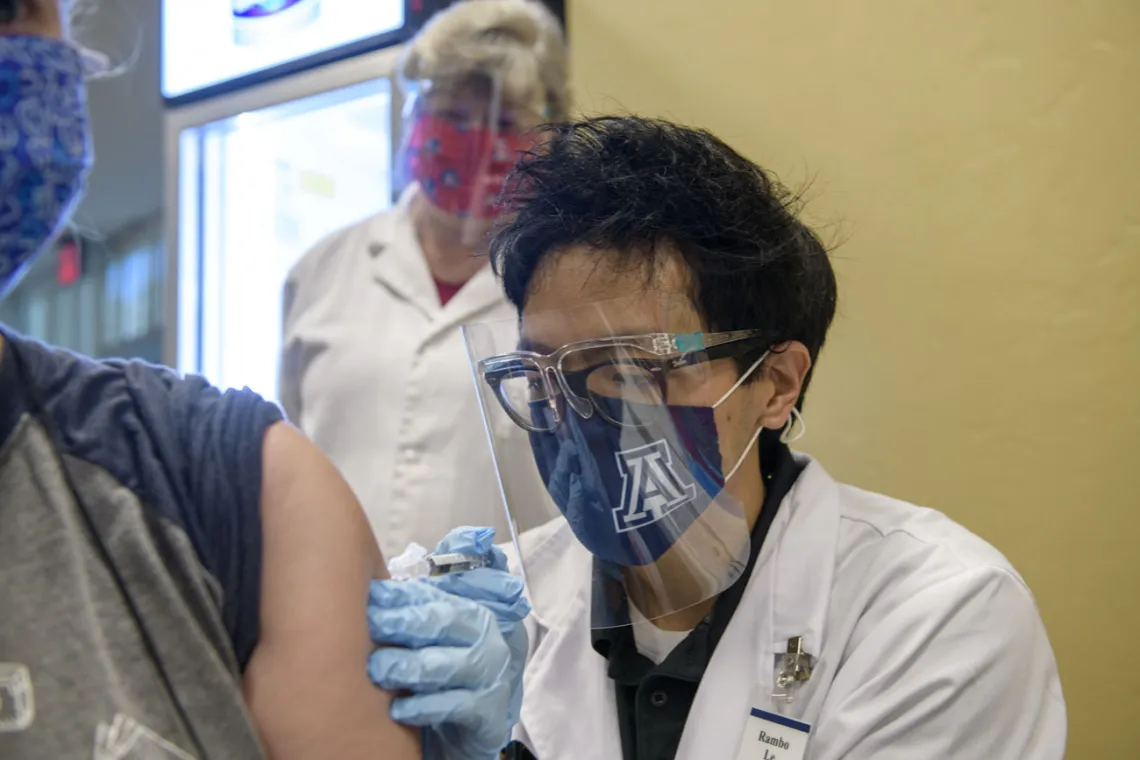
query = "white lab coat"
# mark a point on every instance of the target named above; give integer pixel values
(375, 371)
(929, 645)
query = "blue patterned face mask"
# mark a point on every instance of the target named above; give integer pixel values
(631, 479)
(45, 146)
(629, 495)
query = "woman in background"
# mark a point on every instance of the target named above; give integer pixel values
(373, 367)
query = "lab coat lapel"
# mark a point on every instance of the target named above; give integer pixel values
(578, 714)
(572, 712)
(481, 294)
(788, 595)
(805, 559)
(398, 262)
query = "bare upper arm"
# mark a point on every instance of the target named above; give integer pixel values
(306, 684)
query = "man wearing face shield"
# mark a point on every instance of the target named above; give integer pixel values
(184, 574)
(373, 366)
(701, 591)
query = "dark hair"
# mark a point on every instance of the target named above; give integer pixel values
(638, 188)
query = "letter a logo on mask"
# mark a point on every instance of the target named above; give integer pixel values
(650, 487)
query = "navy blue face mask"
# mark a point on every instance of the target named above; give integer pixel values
(630, 491)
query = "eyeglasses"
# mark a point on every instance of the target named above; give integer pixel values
(602, 375)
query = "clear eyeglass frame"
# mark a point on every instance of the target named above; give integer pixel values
(567, 377)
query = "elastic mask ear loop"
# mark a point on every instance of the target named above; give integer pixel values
(786, 436)
(740, 381)
(743, 454)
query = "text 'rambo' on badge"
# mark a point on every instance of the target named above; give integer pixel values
(768, 736)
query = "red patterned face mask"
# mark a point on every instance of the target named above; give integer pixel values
(461, 169)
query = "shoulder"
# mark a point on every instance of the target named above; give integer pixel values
(917, 580)
(878, 531)
(918, 600)
(912, 571)
(140, 422)
(337, 250)
(881, 542)
(189, 454)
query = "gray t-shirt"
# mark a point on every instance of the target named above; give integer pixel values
(129, 646)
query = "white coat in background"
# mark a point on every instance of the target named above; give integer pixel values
(929, 646)
(375, 371)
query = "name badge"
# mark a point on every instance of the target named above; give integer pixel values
(768, 736)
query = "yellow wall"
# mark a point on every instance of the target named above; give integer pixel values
(980, 159)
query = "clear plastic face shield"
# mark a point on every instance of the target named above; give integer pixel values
(461, 139)
(640, 442)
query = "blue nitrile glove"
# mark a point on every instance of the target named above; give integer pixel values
(494, 588)
(464, 648)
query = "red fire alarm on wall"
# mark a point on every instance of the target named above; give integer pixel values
(69, 265)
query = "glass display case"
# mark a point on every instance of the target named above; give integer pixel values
(258, 190)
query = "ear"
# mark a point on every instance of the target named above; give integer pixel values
(785, 368)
